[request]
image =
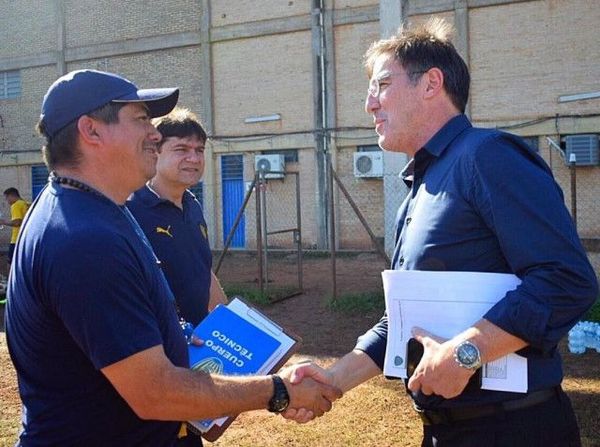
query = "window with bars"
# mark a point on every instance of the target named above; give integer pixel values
(39, 178)
(10, 84)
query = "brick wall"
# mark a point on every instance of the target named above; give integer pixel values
(231, 12)
(525, 55)
(248, 83)
(587, 188)
(20, 115)
(27, 27)
(166, 68)
(90, 23)
(367, 193)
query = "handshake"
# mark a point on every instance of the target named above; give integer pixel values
(311, 391)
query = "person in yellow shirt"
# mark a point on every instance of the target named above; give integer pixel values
(18, 208)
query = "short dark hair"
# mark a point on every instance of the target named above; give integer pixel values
(420, 48)
(12, 192)
(62, 150)
(180, 123)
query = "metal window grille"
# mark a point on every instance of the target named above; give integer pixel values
(39, 178)
(10, 84)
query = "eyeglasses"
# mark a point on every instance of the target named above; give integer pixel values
(376, 83)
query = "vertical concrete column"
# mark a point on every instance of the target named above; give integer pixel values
(461, 41)
(391, 15)
(59, 11)
(319, 113)
(330, 95)
(207, 98)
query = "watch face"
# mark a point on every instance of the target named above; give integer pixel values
(467, 354)
(280, 405)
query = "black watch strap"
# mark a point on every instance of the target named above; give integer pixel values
(281, 399)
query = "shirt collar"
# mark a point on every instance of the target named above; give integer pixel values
(434, 148)
(150, 198)
(443, 137)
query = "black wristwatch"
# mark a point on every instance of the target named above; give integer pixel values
(281, 399)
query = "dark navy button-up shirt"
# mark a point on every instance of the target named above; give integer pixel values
(482, 200)
(180, 241)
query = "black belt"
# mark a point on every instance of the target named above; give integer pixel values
(449, 415)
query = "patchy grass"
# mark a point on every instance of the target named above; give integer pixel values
(255, 296)
(358, 303)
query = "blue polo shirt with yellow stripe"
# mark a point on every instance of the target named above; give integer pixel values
(180, 240)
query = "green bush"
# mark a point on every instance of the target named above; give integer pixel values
(594, 313)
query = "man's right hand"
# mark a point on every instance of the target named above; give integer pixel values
(309, 374)
(310, 389)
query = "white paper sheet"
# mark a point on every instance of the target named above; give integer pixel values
(446, 303)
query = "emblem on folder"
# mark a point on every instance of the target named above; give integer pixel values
(211, 365)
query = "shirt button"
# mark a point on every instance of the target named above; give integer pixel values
(401, 261)
(408, 220)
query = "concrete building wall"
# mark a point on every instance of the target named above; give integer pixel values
(19, 115)
(178, 67)
(351, 42)
(525, 55)
(342, 4)
(263, 76)
(231, 12)
(280, 203)
(367, 193)
(31, 36)
(587, 186)
(92, 23)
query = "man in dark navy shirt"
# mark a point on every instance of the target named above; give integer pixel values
(91, 324)
(172, 217)
(479, 200)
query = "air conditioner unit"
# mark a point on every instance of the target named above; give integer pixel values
(272, 164)
(368, 164)
(584, 147)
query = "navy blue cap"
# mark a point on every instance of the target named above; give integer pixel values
(83, 91)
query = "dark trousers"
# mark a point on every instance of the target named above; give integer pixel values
(549, 424)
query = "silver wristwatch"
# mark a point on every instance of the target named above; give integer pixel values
(467, 355)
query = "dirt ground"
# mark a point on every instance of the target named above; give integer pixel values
(324, 332)
(326, 335)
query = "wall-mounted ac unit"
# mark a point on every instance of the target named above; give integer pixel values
(584, 148)
(368, 164)
(272, 164)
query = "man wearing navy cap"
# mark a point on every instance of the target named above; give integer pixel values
(91, 323)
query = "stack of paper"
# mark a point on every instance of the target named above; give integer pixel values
(445, 304)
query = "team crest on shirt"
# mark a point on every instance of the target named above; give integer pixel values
(203, 231)
(167, 231)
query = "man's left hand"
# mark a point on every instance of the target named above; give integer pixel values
(438, 372)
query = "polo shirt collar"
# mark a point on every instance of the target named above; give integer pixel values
(150, 198)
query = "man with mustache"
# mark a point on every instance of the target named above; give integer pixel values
(91, 323)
